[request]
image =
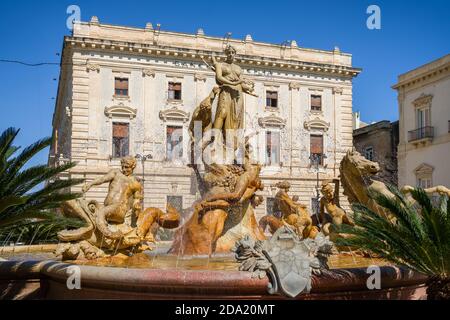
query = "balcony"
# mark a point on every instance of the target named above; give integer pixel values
(421, 135)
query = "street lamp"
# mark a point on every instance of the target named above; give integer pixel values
(317, 160)
(143, 158)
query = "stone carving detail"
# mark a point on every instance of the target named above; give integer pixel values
(92, 67)
(294, 85)
(316, 123)
(148, 73)
(200, 77)
(272, 121)
(118, 224)
(174, 114)
(120, 111)
(288, 261)
(423, 101)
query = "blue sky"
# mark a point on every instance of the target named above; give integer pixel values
(412, 33)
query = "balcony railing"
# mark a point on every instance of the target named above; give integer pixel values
(421, 133)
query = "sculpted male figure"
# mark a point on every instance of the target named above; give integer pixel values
(329, 205)
(124, 193)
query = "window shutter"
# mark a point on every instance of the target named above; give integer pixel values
(120, 130)
(272, 95)
(121, 84)
(316, 102)
(316, 144)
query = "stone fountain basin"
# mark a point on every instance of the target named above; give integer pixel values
(33, 279)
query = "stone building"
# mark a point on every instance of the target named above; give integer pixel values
(424, 110)
(378, 142)
(125, 90)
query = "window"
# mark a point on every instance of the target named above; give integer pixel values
(174, 140)
(272, 99)
(316, 147)
(368, 153)
(423, 118)
(316, 103)
(272, 148)
(120, 140)
(424, 183)
(174, 91)
(176, 202)
(121, 87)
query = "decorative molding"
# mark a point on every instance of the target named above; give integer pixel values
(423, 101)
(338, 90)
(246, 60)
(92, 67)
(148, 73)
(174, 114)
(120, 110)
(316, 124)
(272, 121)
(294, 85)
(424, 170)
(200, 77)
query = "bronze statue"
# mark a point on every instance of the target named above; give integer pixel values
(228, 189)
(330, 214)
(110, 226)
(356, 176)
(293, 214)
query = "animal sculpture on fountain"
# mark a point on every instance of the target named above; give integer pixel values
(110, 227)
(357, 175)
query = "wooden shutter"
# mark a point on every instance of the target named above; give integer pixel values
(316, 144)
(316, 102)
(121, 84)
(272, 95)
(120, 130)
(173, 86)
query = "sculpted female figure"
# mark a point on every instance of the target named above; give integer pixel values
(230, 107)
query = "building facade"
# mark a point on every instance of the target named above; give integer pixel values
(424, 110)
(132, 91)
(378, 142)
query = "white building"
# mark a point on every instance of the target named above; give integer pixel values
(125, 90)
(424, 109)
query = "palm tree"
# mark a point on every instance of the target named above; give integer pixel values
(29, 197)
(418, 240)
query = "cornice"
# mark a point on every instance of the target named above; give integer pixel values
(245, 60)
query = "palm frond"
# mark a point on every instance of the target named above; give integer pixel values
(419, 239)
(29, 197)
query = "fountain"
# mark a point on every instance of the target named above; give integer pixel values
(219, 250)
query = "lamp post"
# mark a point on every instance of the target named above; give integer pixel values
(143, 158)
(316, 161)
